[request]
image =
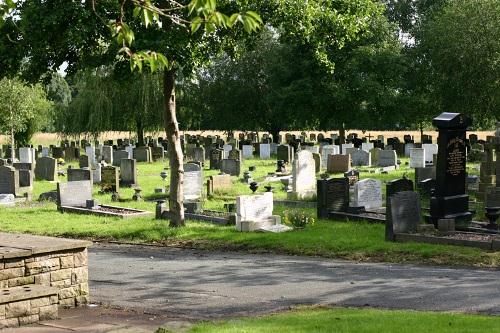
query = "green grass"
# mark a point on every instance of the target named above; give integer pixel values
(335, 239)
(341, 320)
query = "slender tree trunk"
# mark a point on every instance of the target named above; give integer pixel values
(140, 132)
(421, 132)
(176, 197)
(275, 132)
(342, 134)
(13, 146)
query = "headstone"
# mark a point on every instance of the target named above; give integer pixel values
(327, 150)
(254, 211)
(402, 213)
(218, 183)
(317, 162)
(107, 154)
(142, 154)
(45, 151)
(96, 173)
(128, 172)
(235, 154)
(197, 154)
(408, 148)
(118, 155)
(247, 151)
(9, 180)
(344, 147)
(26, 155)
(193, 182)
(46, 169)
(74, 194)
(417, 158)
(387, 158)
(367, 146)
(368, 194)
(338, 163)
(265, 151)
(333, 196)
(304, 175)
(90, 152)
(450, 199)
(80, 174)
(157, 153)
(430, 150)
(374, 154)
(424, 173)
(285, 153)
(231, 167)
(110, 179)
(398, 185)
(352, 176)
(84, 161)
(361, 157)
(57, 152)
(226, 148)
(216, 156)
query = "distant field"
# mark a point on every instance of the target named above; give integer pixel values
(52, 138)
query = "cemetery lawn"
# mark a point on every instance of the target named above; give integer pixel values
(355, 320)
(359, 241)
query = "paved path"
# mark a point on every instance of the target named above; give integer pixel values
(198, 284)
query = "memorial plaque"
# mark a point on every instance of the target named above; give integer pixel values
(338, 163)
(417, 158)
(128, 172)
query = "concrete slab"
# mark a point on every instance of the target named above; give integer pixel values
(39, 244)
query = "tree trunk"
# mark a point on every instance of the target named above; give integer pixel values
(421, 133)
(140, 132)
(342, 134)
(176, 196)
(275, 132)
(13, 146)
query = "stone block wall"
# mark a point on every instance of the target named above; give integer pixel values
(29, 311)
(66, 270)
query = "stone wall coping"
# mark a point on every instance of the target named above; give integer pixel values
(22, 293)
(23, 245)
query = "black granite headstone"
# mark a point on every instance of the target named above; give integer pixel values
(333, 195)
(450, 199)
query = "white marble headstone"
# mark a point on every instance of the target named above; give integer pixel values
(247, 151)
(430, 150)
(417, 158)
(304, 174)
(368, 194)
(193, 182)
(345, 146)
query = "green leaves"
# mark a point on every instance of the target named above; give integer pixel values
(6, 6)
(122, 32)
(155, 61)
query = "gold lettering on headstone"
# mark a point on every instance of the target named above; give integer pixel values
(456, 157)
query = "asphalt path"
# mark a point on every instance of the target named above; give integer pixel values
(196, 284)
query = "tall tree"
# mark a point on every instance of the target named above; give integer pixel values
(459, 49)
(19, 103)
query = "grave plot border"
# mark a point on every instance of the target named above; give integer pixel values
(85, 211)
(493, 245)
(365, 216)
(229, 219)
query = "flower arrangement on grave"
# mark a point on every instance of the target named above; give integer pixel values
(297, 219)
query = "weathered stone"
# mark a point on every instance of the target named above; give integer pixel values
(42, 266)
(79, 275)
(39, 302)
(43, 279)
(48, 312)
(62, 274)
(31, 319)
(80, 258)
(21, 281)
(13, 263)
(67, 303)
(12, 322)
(67, 261)
(17, 309)
(69, 292)
(11, 273)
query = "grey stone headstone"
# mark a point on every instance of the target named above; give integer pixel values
(193, 182)
(231, 167)
(74, 194)
(110, 179)
(80, 174)
(46, 169)
(128, 172)
(107, 154)
(403, 213)
(387, 158)
(142, 154)
(84, 161)
(118, 155)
